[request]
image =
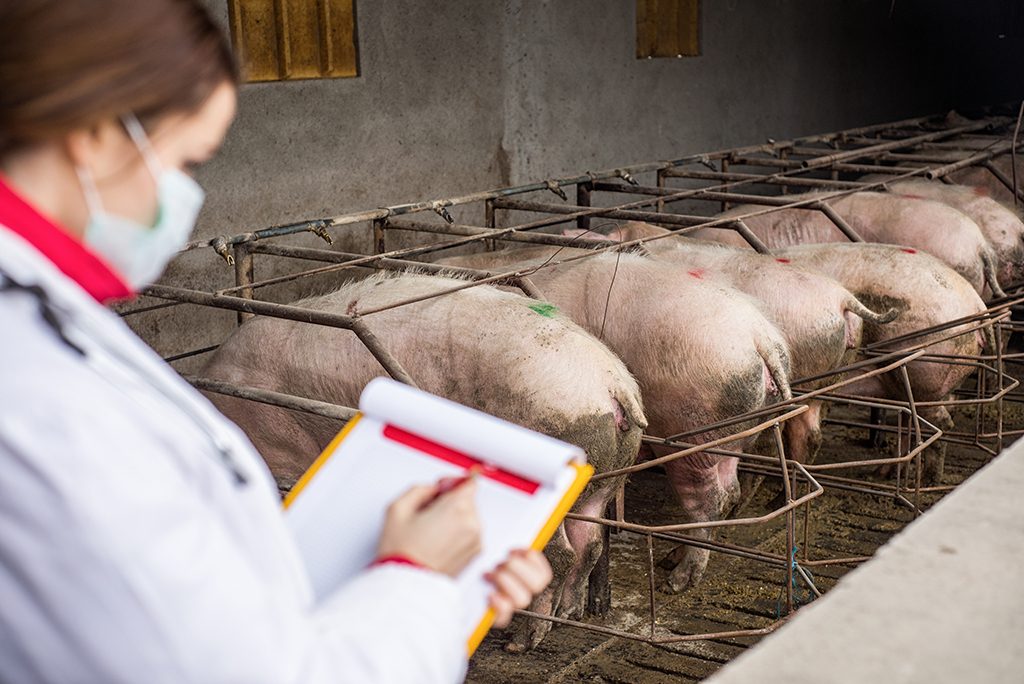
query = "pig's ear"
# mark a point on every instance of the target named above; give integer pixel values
(591, 235)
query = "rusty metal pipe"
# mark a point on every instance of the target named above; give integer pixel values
(263, 396)
(397, 265)
(749, 432)
(848, 168)
(839, 222)
(984, 158)
(289, 312)
(529, 238)
(758, 179)
(828, 159)
(244, 275)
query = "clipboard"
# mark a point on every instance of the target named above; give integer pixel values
(402, 437)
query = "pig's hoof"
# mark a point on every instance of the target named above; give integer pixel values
(687, 566)
(515, 647)
(930, 477)
(673, 558)
(933, 463)
(687, 574)
(598, 606)
(677, 582)
(671, 586)
(528, 635)
(571, 609)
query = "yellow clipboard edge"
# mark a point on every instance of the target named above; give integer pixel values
(320, 460)
(583, 474)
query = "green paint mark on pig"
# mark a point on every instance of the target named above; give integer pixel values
(545, 310)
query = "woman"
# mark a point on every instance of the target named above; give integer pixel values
(141, 537)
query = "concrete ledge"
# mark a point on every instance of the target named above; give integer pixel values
(943, 601)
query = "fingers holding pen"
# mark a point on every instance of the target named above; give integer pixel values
(436, 526)
(439, 527)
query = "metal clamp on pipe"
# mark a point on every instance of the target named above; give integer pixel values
(220, 246)
(554, 187)
(319, 228)
(626, 176)
(441, 210)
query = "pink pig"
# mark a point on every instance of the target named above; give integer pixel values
(923, 224)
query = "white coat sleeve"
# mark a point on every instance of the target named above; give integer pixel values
(117, 566)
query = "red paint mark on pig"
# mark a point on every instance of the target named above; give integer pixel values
(782, 261)
(908, 250)
(909, 196)
(980, 191)
(697, 273)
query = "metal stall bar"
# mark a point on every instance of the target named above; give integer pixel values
(758, 179)
(222, 243)
(288, 401)
(528, 238)
(844, 167)
(569, 211)
(828, 159)
(972, 160)
(345, 258)
(292, 313)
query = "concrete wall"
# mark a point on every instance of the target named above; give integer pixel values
(578, 98)
(423, 119)
(465, 95)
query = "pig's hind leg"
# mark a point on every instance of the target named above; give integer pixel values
(933, 460)
(588, 542)
(707, 488)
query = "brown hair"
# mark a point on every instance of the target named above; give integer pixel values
(69, 64)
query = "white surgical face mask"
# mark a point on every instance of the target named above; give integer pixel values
(140, 253)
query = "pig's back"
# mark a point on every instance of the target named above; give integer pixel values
(883, 272)
(500, 352)
(776, 229)
(1001, 227)
(664, 318)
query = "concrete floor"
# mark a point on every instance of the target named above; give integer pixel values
(943, 601)
(736, 593)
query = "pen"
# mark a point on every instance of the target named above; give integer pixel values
(447, 484)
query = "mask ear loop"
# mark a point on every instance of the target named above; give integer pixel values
(138, 135)
(92, 195)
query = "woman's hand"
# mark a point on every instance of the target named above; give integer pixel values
(437, 527)
(523, 575)
(440, 531)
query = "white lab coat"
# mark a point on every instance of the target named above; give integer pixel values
(130, 553)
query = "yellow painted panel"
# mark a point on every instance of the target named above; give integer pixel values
(294, 39)
(301, 31)
(340, 56)
(667, 28)
(254, 35)
(688, 31)
(646, 28)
